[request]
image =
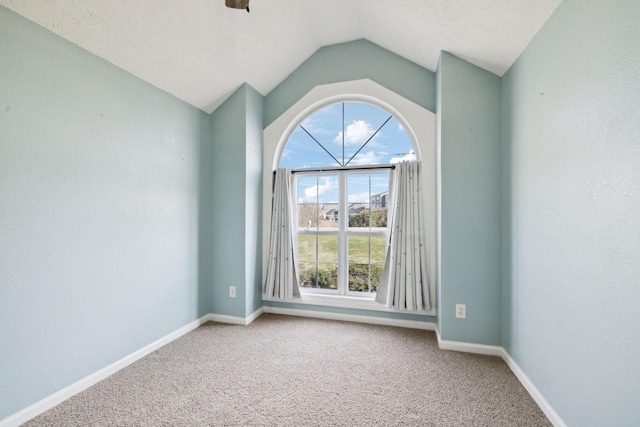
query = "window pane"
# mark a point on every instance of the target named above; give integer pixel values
(366, 259)
(329, 138)
(317, 202)
(379, 189)
(327, 189)
(328, 249)
(307, 216)
(358, 197)
(326, 126)
(359, 249)
(328, 208)
(361, 121)
(376, 276)
(397, 143)
(368, 201)
(302, 151)
(359, 277)
(323, 274)
(359, 110)
(307, 203)
(329, 213)
(364, 278)
(379, 201)
(307, 248)
(307, 274)
(359, 216)
(378, 249)
(327, 276)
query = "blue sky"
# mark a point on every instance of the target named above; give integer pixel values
(390, 144)
(324, 188)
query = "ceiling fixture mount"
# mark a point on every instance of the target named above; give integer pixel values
(237, 4)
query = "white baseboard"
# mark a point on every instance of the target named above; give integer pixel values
(58, 397)
(413, 324)
(466, 347)
(551, 414)
(253, 316)
(491, 350)
(75, 388)
(234, 320)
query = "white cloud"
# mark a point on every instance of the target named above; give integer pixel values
(317, 122)
(311, 193)
(310, 124)
(368, 158)
(358, 132)
(315, 127)
(359, 198)
(410, 156)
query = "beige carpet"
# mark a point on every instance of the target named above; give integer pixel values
(289, 371)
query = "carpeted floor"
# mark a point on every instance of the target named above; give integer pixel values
(291, 371)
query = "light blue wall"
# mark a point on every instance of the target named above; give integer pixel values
(253, 209)
(103, 236)
(107, 186)
(572, 157)
(229, 188)
(352, 61)
(469, 131)
(236, 190)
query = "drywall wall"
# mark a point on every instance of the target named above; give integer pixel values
(253, 200)
(572, 212)
(228, 124)
(354, 60)
(237, 191)
(102, 208)
(469, 131)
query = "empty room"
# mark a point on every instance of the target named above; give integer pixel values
(342, 212)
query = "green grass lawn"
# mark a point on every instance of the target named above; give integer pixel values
(360, 248)
(366, 257)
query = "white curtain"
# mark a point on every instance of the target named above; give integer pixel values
(282, 275)
(405, 283)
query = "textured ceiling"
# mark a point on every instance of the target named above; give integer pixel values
(200, 51)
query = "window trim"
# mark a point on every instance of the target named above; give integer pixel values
(419, 122)
(343, 231)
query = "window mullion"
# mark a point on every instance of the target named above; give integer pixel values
(343, 223)
(316, 234)
(369, 233)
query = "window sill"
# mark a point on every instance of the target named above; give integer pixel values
(354, 302)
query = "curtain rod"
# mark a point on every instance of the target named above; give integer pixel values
(340, 168)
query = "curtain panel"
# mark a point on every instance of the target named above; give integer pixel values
(282, 271)
(405, 283)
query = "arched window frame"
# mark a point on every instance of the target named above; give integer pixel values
(418, 122)
(336, 99)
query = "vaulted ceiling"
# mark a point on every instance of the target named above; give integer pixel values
(200, 51)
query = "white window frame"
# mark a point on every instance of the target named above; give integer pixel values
(419, 123)
(343, 231)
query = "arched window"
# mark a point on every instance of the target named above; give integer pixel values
(347, 134)
(281, 149)
(341, 155)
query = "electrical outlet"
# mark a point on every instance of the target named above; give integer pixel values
(461, 311)
(232, 291)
